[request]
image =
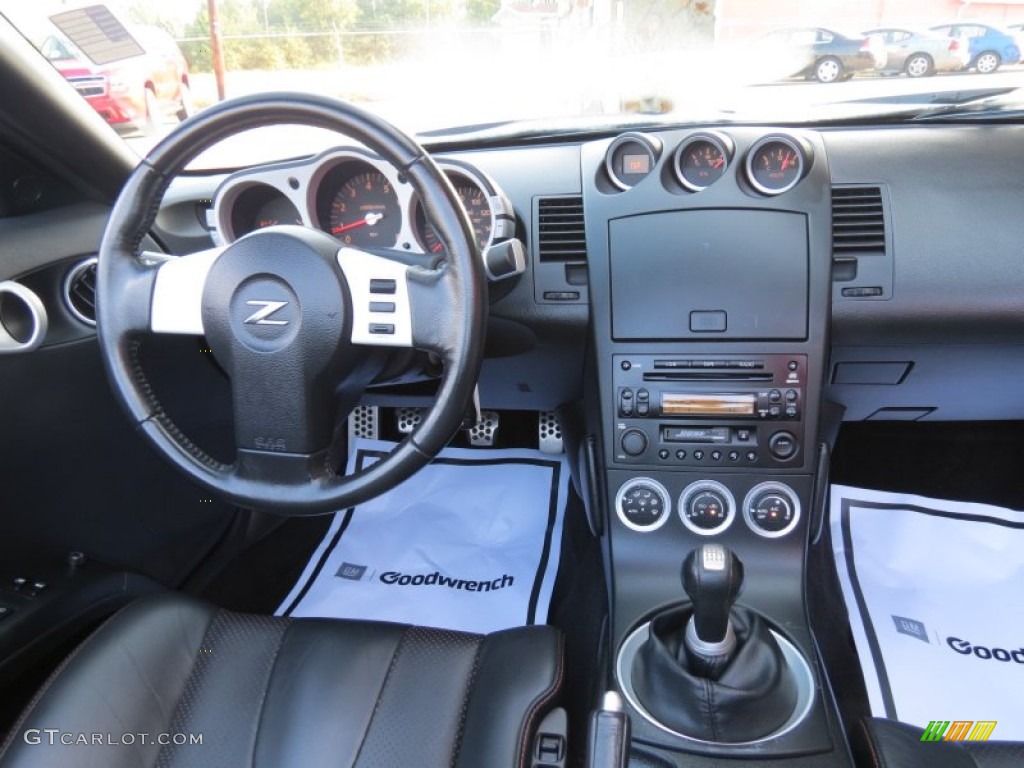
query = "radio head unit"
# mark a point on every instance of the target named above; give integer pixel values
(751, 410)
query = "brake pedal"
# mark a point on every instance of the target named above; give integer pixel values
(485, 432)
(549, 432)
(407, 419)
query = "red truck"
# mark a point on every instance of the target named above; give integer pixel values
(132, 94)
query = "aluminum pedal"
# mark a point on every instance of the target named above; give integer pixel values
(363, 422)
(549, 432)
(484, 432)
(407, 419)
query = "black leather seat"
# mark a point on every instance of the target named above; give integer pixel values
(888, 744)
(271, 692)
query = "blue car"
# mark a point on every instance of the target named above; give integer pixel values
(989, 47)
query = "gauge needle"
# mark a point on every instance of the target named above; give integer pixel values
(369, 220)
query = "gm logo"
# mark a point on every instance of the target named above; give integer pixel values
(958, 730)
(351, 571)
(911, 627)
(262, 316)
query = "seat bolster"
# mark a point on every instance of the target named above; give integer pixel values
(526, 666)
(126, 679)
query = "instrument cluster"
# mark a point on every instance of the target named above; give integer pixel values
(360, 199)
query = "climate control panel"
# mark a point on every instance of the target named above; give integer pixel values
(708, 507)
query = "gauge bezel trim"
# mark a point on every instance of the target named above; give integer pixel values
(722, 142)
(803, 153)
(651, 144)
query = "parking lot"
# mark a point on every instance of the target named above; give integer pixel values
(472, 98)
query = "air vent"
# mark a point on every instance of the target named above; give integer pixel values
(80, 291)
(560, 230)
(858, 221)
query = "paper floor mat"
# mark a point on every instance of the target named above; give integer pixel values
(935, 594)
(470, 542)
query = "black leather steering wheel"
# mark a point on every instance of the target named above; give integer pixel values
(286, 312)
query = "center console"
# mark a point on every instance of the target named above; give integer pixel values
(710, 281)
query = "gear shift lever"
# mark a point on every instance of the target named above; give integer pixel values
(712, 576)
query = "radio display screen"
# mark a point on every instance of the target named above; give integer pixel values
(690, 404)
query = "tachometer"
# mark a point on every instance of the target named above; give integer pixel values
(776, 164)
(364, 211)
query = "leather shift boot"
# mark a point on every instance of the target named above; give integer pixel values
(753, 696)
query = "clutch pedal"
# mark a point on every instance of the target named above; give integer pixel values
(363, 422)
(549, 432)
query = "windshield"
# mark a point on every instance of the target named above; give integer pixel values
(443, 66)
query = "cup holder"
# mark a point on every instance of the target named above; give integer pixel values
(22, 318)
(794, 660)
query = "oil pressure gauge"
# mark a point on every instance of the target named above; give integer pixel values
(701, 160)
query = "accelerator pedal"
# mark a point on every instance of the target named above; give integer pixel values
(549, 432)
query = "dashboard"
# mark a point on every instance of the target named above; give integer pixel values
(925, 318)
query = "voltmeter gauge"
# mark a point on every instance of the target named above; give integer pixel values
(776, 164)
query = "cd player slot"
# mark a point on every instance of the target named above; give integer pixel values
(707, 376)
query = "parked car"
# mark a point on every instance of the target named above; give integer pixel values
(989, 47)
(132, 94)
(824, 54)
(919, 53)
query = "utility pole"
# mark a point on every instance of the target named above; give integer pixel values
(215, 48)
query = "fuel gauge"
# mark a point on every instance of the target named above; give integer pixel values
(701, 160)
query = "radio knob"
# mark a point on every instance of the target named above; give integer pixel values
(633, 442)
(782, 445)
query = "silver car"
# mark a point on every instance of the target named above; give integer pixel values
(919, 53)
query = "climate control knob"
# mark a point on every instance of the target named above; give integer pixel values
(771, 509)
(643, 504)
(633, 442)
(707, 507)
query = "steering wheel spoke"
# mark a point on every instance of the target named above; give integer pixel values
(381, 305)
(177, 300)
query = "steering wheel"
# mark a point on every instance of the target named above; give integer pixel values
(286, 312)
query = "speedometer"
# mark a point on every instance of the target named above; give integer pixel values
(477, 205)
(364, 211)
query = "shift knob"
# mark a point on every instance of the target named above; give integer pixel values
(712, 577)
